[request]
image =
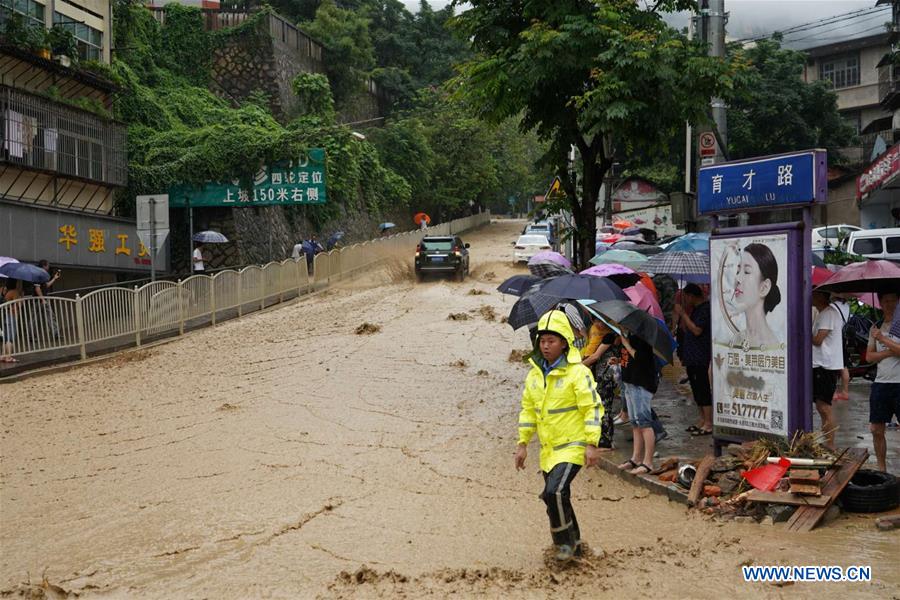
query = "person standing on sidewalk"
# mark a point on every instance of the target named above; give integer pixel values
(827, 359)
(197, 260)
(601, 355)
(640, 380)
(884, 396)
(561, 404)
(696, 353)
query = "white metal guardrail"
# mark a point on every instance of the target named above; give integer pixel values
(44, 330)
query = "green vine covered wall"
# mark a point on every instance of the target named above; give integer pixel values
(180, 132)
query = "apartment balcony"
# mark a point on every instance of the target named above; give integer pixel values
(889, 81)
(39, 134)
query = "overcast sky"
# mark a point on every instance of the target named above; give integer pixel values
(757, 17)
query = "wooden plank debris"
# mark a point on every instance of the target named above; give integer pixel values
(836, 479)
(804, 476)
(787, 498)
(805, 489)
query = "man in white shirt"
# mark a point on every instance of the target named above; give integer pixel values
(827, 359)
(884, 397)
(298, 251)
(198, 259)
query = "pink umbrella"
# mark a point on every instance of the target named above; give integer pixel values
(605, 270)
(621, 275)
(552, 257)
(644, 299)
(871, 276)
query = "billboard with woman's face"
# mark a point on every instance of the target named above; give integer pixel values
(748, 297)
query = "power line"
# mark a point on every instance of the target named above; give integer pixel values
(855, 33)
(844, 17)
(842, 26)
(863, 12)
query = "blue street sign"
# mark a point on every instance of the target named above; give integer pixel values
(763, 183)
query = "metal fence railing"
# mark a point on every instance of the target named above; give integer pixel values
(53, 329)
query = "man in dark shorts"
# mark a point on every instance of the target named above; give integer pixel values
(696, 353)
(884, 397)
(828, 359)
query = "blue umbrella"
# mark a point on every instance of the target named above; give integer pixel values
(210, 237)
(25, 272)
(333, 239)
(384, 226)
(689, 242)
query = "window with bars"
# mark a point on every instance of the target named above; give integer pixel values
(88, 39)
(841, 71)
(38, 133)
(32, 11)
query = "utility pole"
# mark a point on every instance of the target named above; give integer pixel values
(688, 134)
(716, 31)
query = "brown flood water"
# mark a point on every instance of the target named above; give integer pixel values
(264, 457)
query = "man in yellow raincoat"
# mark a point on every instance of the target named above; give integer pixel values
(561, 404)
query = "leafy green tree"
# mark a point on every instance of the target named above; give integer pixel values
(405, 149)
(350, 54)
(774, 110)
(599, 75)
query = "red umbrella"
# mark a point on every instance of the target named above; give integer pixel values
(820, 276)
(419, 217)
(648, 283)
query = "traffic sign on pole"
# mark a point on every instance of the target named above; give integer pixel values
(707, 144)
(153, 224)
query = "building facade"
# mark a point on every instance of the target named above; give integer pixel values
(62, 155)
(858, 72)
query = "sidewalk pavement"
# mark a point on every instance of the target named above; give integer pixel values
(677, 411)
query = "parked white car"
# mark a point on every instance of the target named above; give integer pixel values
(529, 245)
(876, 243)
(831, 236)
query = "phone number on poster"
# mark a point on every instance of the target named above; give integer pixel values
(742, 410)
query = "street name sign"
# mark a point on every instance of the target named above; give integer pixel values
(771, 181)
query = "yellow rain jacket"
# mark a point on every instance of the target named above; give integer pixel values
(563, 406)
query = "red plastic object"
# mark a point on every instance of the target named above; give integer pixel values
(766, 477)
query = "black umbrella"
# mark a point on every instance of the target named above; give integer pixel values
(529, 308)
(629, 317)
(517, 285)
(581, 287)
(636, 246)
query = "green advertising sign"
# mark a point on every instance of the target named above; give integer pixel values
(293, 183)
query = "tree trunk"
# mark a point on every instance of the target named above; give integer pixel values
(584, 209)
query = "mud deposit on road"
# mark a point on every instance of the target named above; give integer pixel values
(285, 456)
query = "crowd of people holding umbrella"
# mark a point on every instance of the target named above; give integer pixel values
(640, 303)
(18, 280)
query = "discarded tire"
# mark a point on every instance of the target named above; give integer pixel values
(870, 492)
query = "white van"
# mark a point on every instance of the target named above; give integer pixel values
(876, 243)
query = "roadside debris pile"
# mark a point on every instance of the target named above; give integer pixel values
(767, 481)
(457, 317)
(367, 329)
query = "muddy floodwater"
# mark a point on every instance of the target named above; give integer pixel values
(285, 455)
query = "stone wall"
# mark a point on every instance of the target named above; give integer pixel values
(248, 63)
